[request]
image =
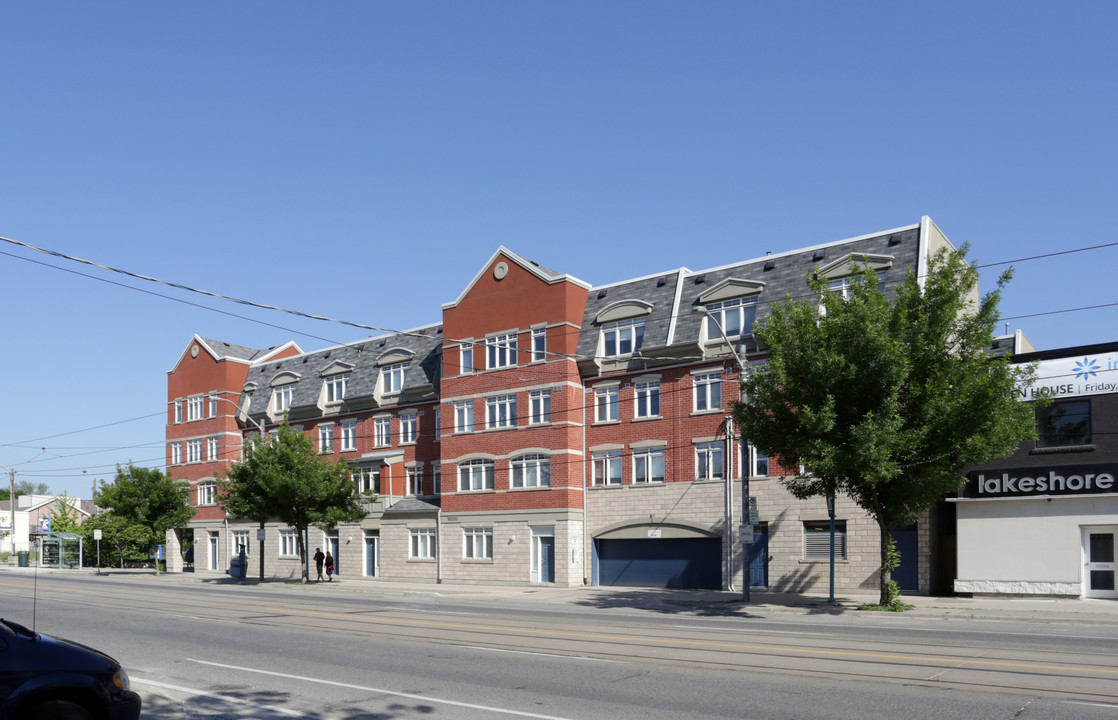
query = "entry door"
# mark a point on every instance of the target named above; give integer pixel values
(332, 544)
(1101, 570)
(759, 556)
(213, 551)
(372, 559)
(543, 558)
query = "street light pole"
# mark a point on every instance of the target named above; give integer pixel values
(746, 464)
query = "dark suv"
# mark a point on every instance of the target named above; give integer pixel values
(46, 678)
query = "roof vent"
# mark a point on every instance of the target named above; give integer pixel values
(769, 265)
(662, 282)
(700, 279)
(601, 294)
(819, 255)
(894, 240)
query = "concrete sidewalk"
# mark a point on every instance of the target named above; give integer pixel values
(696, 602)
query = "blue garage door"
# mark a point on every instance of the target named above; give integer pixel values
(670, 563)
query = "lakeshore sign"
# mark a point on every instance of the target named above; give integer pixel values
(1074, 377)
(1055, 480)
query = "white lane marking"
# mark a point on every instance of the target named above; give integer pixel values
(1092, 704)
(224, 698)
(366, 688)
(540, 654)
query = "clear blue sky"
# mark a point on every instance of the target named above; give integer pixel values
(361, 160)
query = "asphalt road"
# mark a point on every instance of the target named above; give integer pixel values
(229, 651)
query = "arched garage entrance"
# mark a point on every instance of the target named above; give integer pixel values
(658, 556)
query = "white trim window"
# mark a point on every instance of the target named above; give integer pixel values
(288, 543)
(607, 404)
(326, 438)
(281, 398)
(817, 539)
(207, 492)
(539, 407)
(529, 471)
(195, 406)
(178, 411)
(708, 461)
(735, 317)
(623, 337)
(213, 445)
(176, 453)
(477, 543)
(392, 377)
(422, 544)
(475, 475)
(438, 424)
(464, 416)
(607, 467)
(368, 479)
(437, 480)
(409, 427)
(382, 431)
(336, 386)
(500, 351)
(194, 450)
(708, 392)
(648, 465)
(760, 464)
(647, 399)
(349, 435)
(500, 411)
(241, 544)
(213, 406)
(843, 285)
(414, 479)
(465, 358)
(539, 344)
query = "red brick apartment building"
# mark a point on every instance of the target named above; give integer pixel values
(544, 431)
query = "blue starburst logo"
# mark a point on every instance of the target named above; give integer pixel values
(1085, 369)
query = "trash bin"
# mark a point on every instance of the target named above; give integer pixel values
(24, 558)
(238, 568)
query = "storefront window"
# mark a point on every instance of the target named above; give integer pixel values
(1064, 423)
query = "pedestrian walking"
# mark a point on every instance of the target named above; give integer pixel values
(329, 567)
(319, 558)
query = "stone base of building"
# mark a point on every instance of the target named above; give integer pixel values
(1023, 588)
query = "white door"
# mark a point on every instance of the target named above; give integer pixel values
(213, 550)
(1101, 571)
(372, 556)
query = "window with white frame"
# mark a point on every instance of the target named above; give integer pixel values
(708, 391)
(241, 544)
(195, 406)
(194, 450)
(326, 438)
(539, 406)
(843, 285)
(464, 416)
(475, 475)
(438, 424)
(817, 539)
(382, 431)
(648, 465)
(213, 445)
(539, 344)
(477, 543)
(466, 358)
(368, 479)
(708, 461)
(281, 398)
(500, 411)
(437, 474)
(422, 545)
(414, 481)
(289, 544)
(349, 435)
(623, 337)
(392, 377)
(607, 467)
(529, 471)
(178, 411)
(500, 351)
(647, 399)
(760, 463)
(607, 404)
(213, 406)
(207, 492)
(335, 388)
(409, 427)
(176, 453)
(735, 317)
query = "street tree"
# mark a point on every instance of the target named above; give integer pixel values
(146, 497)
(283, 478)
(64, 517)
(121, 539)
(884, 401)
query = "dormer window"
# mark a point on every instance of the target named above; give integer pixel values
(842, 286)
(842, 274)
(392, 377)
(281, 398)
(623, 337)
(735, 317)
(336, 387)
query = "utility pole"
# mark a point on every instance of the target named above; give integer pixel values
(263, 436)
(11, 507)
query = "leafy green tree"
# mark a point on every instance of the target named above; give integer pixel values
(122, 540)
(64, 517)
(149, 498)
(886, 402)
(24, 487)
(283, 478)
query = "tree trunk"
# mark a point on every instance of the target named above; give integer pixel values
(302, 555)
(886, 575)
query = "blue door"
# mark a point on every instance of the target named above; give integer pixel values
(759, 556)
(907, 574)
(547, 559)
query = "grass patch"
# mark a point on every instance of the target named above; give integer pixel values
(895, 606)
